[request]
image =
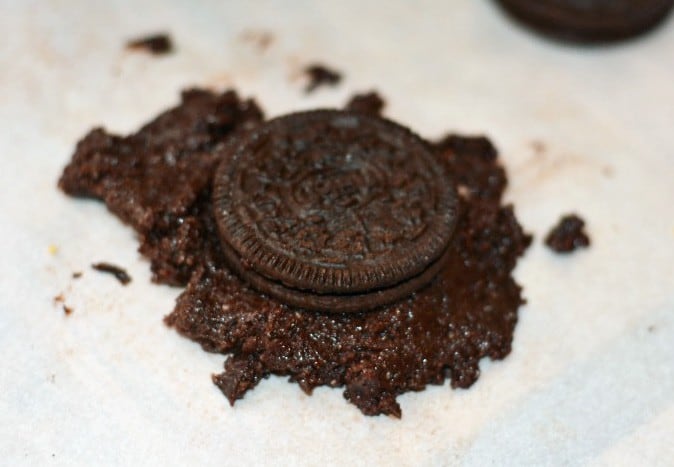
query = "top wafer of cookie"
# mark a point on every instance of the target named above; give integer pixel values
(333, 210)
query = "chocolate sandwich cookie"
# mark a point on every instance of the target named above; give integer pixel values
(334, 210)
(590, 20)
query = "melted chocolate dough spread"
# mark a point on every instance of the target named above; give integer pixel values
(159, 179)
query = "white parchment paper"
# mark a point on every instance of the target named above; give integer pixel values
(591, 376)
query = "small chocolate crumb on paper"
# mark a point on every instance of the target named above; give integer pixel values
(320, 75)
(77, 274)
(157, 44)
(568, 235)
(67, 310)
(120, 274)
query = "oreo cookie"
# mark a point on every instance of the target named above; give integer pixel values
(333, 210)
(589, 20)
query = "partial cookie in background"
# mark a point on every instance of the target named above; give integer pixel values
(589, 21)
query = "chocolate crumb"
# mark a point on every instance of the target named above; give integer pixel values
(156, 44)
(67, 310)
(77, 275)
(59, 298)
(120, 274)
(568, 235)
(320, 75)
(368, 103)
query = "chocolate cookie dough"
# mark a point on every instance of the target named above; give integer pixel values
(590, 20)
(160, 181)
